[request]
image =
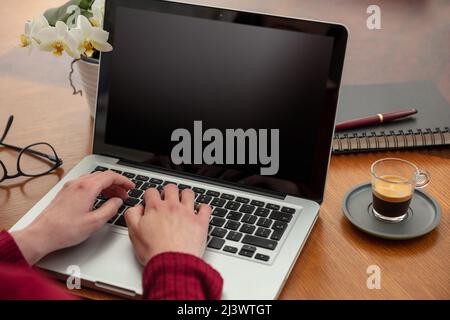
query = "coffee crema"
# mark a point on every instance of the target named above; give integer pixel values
(392, 195)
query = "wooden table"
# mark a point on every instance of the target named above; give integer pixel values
(412, 45)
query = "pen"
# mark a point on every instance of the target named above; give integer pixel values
(375, 119)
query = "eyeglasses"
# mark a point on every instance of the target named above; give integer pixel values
(35, 160)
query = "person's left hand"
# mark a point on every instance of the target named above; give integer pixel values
(69, 218)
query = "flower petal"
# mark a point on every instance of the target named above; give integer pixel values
(102, 46)
(99, 35)
(84, 24)
(46, 35)
(61, 29)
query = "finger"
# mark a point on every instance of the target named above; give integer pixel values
(152, 198)
(187, 198)
(106, 179)
(171, 193)
(133, 215)
(107, 210)
(116, 191)
(204, 212)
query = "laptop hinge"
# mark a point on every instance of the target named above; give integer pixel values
(185, 175)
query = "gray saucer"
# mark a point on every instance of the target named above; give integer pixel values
(423, 216)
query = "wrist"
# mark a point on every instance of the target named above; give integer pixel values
(29, 241)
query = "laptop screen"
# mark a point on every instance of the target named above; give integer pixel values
(242, 98)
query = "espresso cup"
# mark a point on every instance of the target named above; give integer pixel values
(393, 184)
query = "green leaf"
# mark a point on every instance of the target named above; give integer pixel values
(86, 4)
(60, 13)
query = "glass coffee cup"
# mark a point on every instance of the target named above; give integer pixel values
(393, 184)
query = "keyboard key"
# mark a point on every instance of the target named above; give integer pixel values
(232, 225)
(247, 251)
(116, 171)
(279, 226)
(217, 202)
(234, 236)
(272, 206)
(203, 199)
(137, 183)
(264, 222)
(277, 234)
(219, 212)
(121, 221)
(263, 232)
(129, 175)
(246, 208)
(219, 232)
(247, 228)
(216, 243)
(227, 196)
(122, 209)
(262, 257)
(156, 181)
(232, 205)
(217, 221)
(169, 182)
(100, 168)
(183, 186)
(259, 242)
(135, 193)
(230, 249)
(212, 193)
(234, 215)
(243, 200)
(198, 190)
(249, 218)
(102, 197)
(257, 203)
(277, 215)
(142, 178)
(262, 212)
(98, 204)
(288, 210)
(131, 202)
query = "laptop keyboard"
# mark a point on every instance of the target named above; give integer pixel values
(239, 225)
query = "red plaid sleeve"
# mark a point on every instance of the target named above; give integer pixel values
(179, 276)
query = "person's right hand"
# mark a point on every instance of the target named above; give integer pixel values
(168, 224)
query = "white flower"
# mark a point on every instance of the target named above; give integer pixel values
(58, 40)
(32, 28)
(89, 37)
(98, 12)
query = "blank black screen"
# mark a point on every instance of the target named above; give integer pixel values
(169, 70)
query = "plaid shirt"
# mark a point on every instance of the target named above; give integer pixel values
(169, 275)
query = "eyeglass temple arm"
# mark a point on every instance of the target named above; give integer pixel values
(8, 126)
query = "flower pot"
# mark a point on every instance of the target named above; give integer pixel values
(88, 70)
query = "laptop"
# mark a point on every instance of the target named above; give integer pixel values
(238, 106)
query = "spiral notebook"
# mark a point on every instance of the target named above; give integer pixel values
(428, 128)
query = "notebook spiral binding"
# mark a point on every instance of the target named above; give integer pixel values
(392, 140)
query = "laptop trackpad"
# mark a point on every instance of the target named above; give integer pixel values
(107, 257)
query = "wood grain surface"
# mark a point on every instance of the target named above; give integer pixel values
(412, 45)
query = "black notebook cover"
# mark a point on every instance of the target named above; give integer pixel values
(429, 127)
